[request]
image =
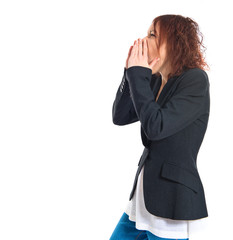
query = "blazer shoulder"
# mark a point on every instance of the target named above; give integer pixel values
(195, 75)
(194, 81)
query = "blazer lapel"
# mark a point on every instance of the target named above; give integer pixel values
(164, 96)
(167, 90)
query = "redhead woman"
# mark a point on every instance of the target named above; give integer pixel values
(166, 88)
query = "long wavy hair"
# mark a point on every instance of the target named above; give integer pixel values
(184, 43)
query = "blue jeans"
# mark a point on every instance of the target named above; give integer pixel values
(125, 230)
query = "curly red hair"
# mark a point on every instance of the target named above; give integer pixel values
(184, 41)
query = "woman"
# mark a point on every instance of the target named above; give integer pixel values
(166, 88)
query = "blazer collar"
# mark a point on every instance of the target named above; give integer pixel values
(156, 82)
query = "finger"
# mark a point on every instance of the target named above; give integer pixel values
(134, 49)
(130, 51)
(155, 60)
(140, 47)
(129, 54)
(144, 47)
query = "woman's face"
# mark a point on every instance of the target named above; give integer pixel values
(153, 51)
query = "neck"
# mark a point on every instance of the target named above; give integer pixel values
(164, 77)
(164, 74)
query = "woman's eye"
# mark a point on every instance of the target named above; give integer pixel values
(151, 34)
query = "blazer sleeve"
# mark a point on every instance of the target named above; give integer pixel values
(184, 107)
(123, 111)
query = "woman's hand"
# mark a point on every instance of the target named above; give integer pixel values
(126, 63)
(138, 55)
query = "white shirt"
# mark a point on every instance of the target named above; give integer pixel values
(161, 227)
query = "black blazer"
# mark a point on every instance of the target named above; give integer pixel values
(172, 130)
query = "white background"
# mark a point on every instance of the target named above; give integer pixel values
(66, 171)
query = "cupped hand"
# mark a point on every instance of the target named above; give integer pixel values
(138, 55)
(126, 63)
